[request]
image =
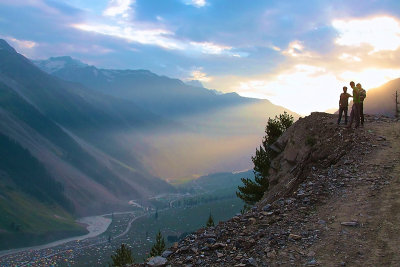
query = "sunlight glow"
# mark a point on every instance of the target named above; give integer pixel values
(349, 58)
(199, 75)
(371, 78)
(382, 33)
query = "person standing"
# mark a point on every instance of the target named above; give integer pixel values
(355, 109)
(363, 95)
(343, 105)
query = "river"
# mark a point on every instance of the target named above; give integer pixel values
(96, 225)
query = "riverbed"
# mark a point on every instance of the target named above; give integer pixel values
(96, 225)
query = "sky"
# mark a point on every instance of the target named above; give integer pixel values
(296, 53)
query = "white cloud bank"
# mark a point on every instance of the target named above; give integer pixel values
(118, 8)
(381, 33)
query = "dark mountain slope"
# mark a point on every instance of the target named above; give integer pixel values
(381, 100)
(61, 114)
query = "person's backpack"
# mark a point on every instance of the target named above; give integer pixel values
(363, 94)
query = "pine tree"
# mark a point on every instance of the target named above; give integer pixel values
(253, 191)
(210, 221)
(159, 246)
(122, 256)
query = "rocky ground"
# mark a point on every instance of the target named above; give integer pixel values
(334, 201)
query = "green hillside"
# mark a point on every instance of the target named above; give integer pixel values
(33, 207)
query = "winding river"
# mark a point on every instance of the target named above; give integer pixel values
(96, 225)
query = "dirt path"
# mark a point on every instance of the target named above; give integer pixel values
(374, 203)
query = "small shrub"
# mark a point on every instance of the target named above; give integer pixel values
(310, 141)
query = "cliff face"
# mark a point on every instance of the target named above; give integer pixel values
(328, 196)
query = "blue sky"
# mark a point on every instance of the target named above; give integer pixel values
(296, 53)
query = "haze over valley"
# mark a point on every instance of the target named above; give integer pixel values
(129, 121)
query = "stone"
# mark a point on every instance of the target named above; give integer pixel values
(252, 220)
(219, 254)
(271, 254)
(312, 262)
(311, 254)
(157, 261)
(294, 237)
(267, 207)
(351, 223)
(184, 249)
(218, 245)
(252, 261)
(166, 253)
(211, 240)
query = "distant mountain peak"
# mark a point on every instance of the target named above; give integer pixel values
(195, 83)
(54, 64)
(5, 46)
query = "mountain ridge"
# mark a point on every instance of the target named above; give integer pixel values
(331, 201)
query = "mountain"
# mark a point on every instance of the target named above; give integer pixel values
(214, 132)
(381, 100)
(160, 94)
(195, 83)
(60, 151)
(81, 123)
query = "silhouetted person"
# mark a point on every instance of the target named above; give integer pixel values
(363, 95)
(343, 105)
(355, 109)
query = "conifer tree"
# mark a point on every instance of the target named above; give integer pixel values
(159, 247)
(210, 221)
(122, 256)
(252, 191)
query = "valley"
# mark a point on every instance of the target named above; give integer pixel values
(176, 215)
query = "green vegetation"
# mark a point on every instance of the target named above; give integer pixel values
(176, 223)
(310, 141)
(33, 207)
(252, 191)
(122, 256)
(29, 175)
(210, 221)
(25, 221)
(159, 247)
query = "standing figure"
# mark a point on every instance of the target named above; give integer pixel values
(355, 109)
(363, 95)
(343, 105)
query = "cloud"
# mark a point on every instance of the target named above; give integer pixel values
(24, 44)
(118, 22)
(295, 49)
(381, 33)
(39, 4)
(198, 75)
(196, 3)
(159, 37)
(210, 48)
(147, 36)
(118, 8)
(25, 47)
(349, 58)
